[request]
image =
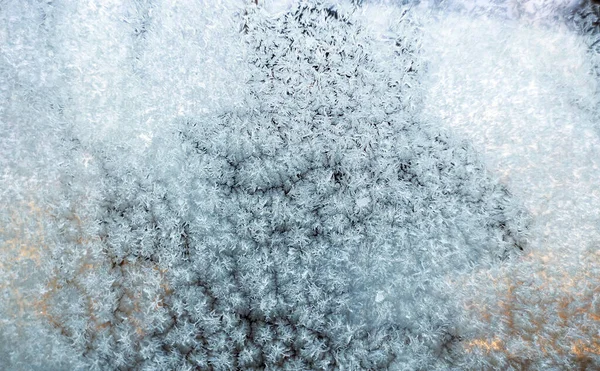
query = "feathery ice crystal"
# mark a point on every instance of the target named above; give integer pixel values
(314, 228)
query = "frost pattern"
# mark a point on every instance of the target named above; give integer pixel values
(179, 195)
(527, 96)
(315, 227)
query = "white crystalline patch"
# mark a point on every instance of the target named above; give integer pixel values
(276, 7)
(363, 202)
(525, 98)
(532, 10)
(378, 17)
(147, 138)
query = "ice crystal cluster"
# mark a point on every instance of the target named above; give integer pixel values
(538, 312)
(278, 192)
(311, 228)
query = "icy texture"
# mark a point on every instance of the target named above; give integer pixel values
(178, 194)
(529, 106)
(313, 227)
(527, 97)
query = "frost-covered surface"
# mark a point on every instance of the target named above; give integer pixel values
(525, 95)
(529, 105)
(192, 185)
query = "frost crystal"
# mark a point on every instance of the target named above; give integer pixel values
(316, 225)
